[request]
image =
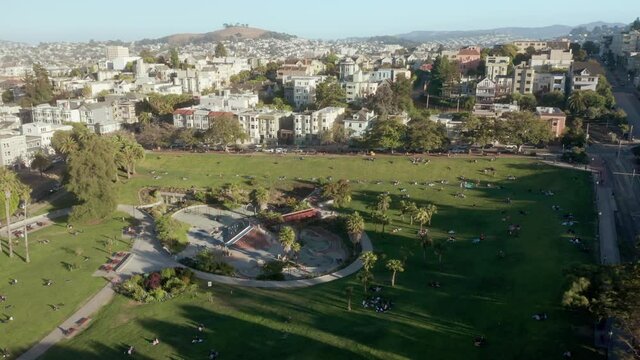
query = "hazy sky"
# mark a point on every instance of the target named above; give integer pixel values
(82, 20)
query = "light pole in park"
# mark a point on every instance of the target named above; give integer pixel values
(24, 205)
(7, 198)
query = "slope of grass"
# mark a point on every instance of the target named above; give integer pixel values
(481, 294)
(30, 301)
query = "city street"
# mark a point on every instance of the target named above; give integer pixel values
(617, 169)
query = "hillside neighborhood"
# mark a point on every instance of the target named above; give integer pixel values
(247, 193)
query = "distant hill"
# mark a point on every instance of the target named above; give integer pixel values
(229, 33)
(545, 32)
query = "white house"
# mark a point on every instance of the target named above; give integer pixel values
(13, 149)
(359, 123)
(307, 126)
(584, 76)
(225, 101)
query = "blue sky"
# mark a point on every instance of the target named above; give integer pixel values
(81, 20)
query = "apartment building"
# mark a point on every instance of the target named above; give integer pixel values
(307, 126)
(523, 79)
(496, 66)
(552, 60)
(13, 150)
(523, 45)
(262, 127)
(625, 42)
(196, 118)
(301, 90)
(54, 115)
(226, 101)
(114, 52)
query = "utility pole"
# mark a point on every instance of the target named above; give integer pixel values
(631, 133)
(7, 198)
(428, 101)
(458, 106)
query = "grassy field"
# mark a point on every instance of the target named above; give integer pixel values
(481, 294)
(30, 301)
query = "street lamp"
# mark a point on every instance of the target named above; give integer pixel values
(24, 205)
(7, 197)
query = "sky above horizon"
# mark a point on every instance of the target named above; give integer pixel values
(36, 21)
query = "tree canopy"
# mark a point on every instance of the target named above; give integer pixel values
(386, 134)
(221, 50)
(9, 182)
(224, 130)
(426, 135)
(38, 88)
(330, 93)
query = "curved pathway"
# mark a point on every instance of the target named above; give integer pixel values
(148, 255)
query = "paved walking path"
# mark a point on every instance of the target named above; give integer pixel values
(148, 255)
(100, 299)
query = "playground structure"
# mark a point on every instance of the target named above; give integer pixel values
(238, 239)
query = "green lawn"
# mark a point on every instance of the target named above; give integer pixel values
(29, 301)
(481, 293)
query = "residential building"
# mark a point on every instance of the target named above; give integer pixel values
(496, 66)
(625, 42)
(468, 58)
(226, 101)
(54, 115)
(13, 150)
(114, 52)
(549, 81)
(93, 113)
(555, 117)
(523, 45)
(485, 91)
(359, 123)
(301, 90)
(523, 79)
(584, 76)
(262, 127)
(494, 110)
(307, 126)
(39, 135)
(552, 60)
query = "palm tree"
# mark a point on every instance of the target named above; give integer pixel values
(403, 209)
(384, 201)
(67, 146)
(365, 278)
(383, 219)
(355, 226)
(577, 102)
(425, 241)
(394, 266)
(287, 238)
(349, 292)
(412, 210)
(422, 216)
(368, 259)
(432, 210)
(259, 198)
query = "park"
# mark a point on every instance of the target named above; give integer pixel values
(492, 257)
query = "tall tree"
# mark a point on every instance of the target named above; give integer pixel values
(422, 216)
(330, 93)
(386, 134)
(90, 179)
(338, 191)
(426, 135)
(12, 193)
(174, 58)
(395, 266)
(445, 76)
(220, 50)
(40, 162)
(224, 130)
(525, 128)
(38, 88)
(577, 102)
